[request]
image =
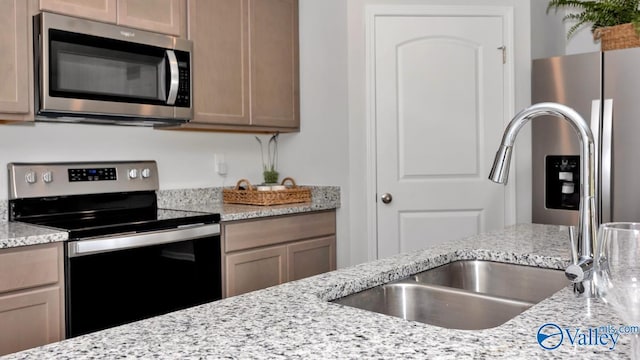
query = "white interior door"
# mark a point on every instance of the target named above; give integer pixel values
(439, 112)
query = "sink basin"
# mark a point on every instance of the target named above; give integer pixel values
(468, 294)
(526, 283)
(440, 306)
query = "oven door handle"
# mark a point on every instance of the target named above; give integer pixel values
(107, 244)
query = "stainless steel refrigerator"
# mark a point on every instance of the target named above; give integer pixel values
(604, 87)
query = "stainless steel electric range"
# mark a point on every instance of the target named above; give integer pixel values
(126, 259)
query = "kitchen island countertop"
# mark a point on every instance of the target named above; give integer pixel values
(296, 320)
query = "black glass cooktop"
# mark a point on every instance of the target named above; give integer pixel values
(104, 214)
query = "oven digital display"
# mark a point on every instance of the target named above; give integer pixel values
(93, 174)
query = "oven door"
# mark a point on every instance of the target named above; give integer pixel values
(89, 68)
(117, 280)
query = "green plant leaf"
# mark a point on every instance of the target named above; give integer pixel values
(598, 13)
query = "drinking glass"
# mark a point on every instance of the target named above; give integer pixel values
(617, 273)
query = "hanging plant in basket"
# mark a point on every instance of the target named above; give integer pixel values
(616, 23)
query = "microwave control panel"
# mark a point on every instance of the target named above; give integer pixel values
(184, 88)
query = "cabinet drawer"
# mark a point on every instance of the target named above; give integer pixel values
(29, 266)
(256, 233)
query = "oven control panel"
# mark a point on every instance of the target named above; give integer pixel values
(92, 174)
(28, 180)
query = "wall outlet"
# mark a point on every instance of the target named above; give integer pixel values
(220, 165)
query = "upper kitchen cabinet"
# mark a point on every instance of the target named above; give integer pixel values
(15, 61)
(100, 10)
(162, 16)
(245, 65)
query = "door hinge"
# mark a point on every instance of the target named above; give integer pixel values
(504, 53)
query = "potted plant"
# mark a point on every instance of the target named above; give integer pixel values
(269, 168)
(615, 22)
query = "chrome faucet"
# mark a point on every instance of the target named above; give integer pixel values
(582, 248)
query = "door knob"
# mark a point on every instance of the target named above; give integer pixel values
(386, 198)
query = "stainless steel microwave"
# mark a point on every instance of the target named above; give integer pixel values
(88, 71)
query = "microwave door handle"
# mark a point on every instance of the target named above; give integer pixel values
(174, 80)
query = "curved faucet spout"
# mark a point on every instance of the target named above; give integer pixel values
(588, 222)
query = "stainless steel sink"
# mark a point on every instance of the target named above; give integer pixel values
(468, 294)
(526, 283)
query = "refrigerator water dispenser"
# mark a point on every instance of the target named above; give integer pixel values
(562, 182)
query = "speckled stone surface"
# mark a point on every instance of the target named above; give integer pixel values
(202, 200)
(178, 198)
(4, 215)
(210, 200)
(295, 320)
(13, 234)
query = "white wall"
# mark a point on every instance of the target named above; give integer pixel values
(316, 155)
(549, 33)
(185, 159)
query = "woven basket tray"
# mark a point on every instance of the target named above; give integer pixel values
(617, 37)
(251, 196)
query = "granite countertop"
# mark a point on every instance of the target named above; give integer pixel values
(295, 320)
(210, 200)
(13, 234)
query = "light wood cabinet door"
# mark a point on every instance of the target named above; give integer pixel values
(245, 65)
(275, 92)
(30, 318)
(220, 61)
(14, 57)
(100, 10)
(311, 257)
(163, 16)
(255, 269)
(31, 296)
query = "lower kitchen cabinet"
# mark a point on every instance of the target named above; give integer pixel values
(311, 257)
(256, 269)
(265, 252)
(31, 297)
(29, 318)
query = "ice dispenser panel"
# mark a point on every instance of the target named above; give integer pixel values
(562, 183)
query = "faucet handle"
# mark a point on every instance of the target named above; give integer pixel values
(580, 269)
(574, 245)
(579, 272)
